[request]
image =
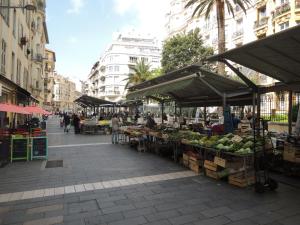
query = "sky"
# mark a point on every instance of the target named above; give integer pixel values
(80, 30)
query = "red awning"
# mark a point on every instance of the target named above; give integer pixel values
(5, 107)
(36, 110)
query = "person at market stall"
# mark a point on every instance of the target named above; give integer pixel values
(115, 129)
(76, 122)
(235, 121)
(150, 121)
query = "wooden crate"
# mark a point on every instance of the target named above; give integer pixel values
(241, 180)
(291, 153)
(212, 174)
(195, 166)
(220, 162)
(185, 157)
(210, 165)
(185, 162)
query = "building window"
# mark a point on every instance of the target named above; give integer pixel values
(145, 59)
(284, 25)
(5, 12)
(18, 81)
(25, 78)
(117, 68)
(110, 68)
(13, 59)
(14, 23)
(262, 12)
(3, 56)
(133, 59)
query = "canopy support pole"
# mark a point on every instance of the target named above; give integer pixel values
(258, 107)
(162, 112)
(240, 75)
(290, 111)
(204, 115)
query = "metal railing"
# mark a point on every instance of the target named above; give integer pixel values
(274, 106)
(238, 33)
(283, 8)
(260, 23)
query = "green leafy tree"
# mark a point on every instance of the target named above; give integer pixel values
(140, 73)
(155, 73)
(183, 50)
(205, 7)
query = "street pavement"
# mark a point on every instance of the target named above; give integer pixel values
(101, 183)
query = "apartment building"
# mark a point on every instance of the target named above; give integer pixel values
(263, 18)
(64, 94)
(23, 35)
(49, 79)
(107, 79)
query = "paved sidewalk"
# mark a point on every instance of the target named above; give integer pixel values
(101, 183)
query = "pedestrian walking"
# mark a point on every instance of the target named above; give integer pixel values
(115, 129)
(67, 122)
(76, 122)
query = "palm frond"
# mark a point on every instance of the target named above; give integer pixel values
(242, 5)
(229, 7)
(209, 8)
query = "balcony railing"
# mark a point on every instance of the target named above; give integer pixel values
(260, 23)
(297, 4)
(238, 33)
(285, 7)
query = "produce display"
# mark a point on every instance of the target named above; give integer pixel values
(227, 143)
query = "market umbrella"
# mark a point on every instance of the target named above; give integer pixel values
(36, 110)
(46, 112)
(5, 107)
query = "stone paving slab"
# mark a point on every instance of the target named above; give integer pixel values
(112, 185)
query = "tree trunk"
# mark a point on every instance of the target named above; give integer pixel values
(221, 33)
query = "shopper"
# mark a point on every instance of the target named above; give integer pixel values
(76, 122)
(67, 122)
(150, 121)
(115, 129)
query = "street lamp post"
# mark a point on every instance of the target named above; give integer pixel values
(27, 7)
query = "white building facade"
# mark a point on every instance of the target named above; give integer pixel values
(108, 76)
(263, 18)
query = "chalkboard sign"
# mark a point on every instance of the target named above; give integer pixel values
(39, 147)
(19, 149)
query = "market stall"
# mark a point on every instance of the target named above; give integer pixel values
(24, 142)
(276, 56)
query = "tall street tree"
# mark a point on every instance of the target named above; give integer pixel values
(183, 50)
(205, 7)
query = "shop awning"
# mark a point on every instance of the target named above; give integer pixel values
(36, 110)
(4, 107)
(89, 101)
(194, 86)
(277, 56)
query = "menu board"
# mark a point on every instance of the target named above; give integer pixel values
(19, 148)
(39, 147)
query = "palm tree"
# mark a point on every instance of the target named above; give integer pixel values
(206, 6)
(141, 73)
